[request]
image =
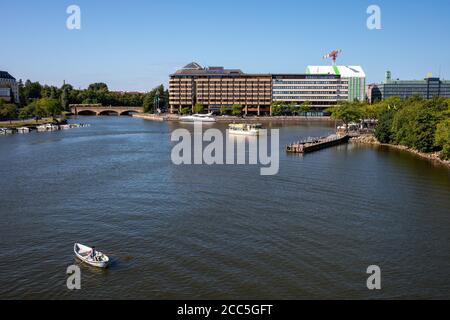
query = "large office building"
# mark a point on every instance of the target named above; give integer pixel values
(353, 80)
(216, 87)
(8, 87)
(428, 88)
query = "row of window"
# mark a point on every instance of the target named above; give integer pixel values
(305, 92)
(310, 98)
(309, 82)
(278, 87)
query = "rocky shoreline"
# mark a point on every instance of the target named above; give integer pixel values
(370, 139)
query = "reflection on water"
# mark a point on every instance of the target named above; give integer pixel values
(218, 231)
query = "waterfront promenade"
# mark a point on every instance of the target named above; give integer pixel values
(231, 119)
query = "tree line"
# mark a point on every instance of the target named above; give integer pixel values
(417, 123)
(38, 100)
(278, 108)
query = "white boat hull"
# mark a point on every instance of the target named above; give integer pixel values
(198, 118)
(82, 253)
(244, 132)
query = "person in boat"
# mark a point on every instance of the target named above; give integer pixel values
(92, 253)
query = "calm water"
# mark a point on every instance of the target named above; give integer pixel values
(217, 231)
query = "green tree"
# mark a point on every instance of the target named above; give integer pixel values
(42, 108)
(383, 131)
(293, 108)
(148, 102)
(20, 86)
(64, 101)
(30, 91)
(442, 139)
(8, 111)
(347, 112)
(98, 86)
(223, 110)
(198, 108)
(278, 107)
(185, 110)
(414, 125)
(305, 107)
(236, 109)
(26, 112)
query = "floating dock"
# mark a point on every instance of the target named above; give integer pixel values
(317, 144)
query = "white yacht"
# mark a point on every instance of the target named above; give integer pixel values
(245, 129)
(198, 118)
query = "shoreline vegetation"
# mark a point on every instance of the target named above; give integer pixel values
(370, 139)
(415, 124)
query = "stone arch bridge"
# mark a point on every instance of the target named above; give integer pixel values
(98, 109)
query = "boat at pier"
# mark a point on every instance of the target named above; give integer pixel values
(23, 130)
(7, 130)
(245, 129)
(47, 127)
(316, 144)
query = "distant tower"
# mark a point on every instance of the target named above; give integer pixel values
(388, 76)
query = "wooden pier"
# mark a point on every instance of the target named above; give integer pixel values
(316, 144)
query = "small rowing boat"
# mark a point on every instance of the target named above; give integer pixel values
(83, 253)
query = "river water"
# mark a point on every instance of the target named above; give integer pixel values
(210, 232)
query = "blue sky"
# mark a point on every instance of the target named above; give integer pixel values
(134, 45)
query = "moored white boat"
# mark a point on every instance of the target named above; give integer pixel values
(82, 252)
(47, 127)
(245, 129)
(9, 130)
(198, 118)
(23, 130)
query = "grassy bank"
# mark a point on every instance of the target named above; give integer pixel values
(24, 123)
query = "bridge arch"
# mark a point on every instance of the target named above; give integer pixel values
(108, 113)
(98, 109)
(128, 112)
(87, 113)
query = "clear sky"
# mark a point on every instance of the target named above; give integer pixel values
(134, 45)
